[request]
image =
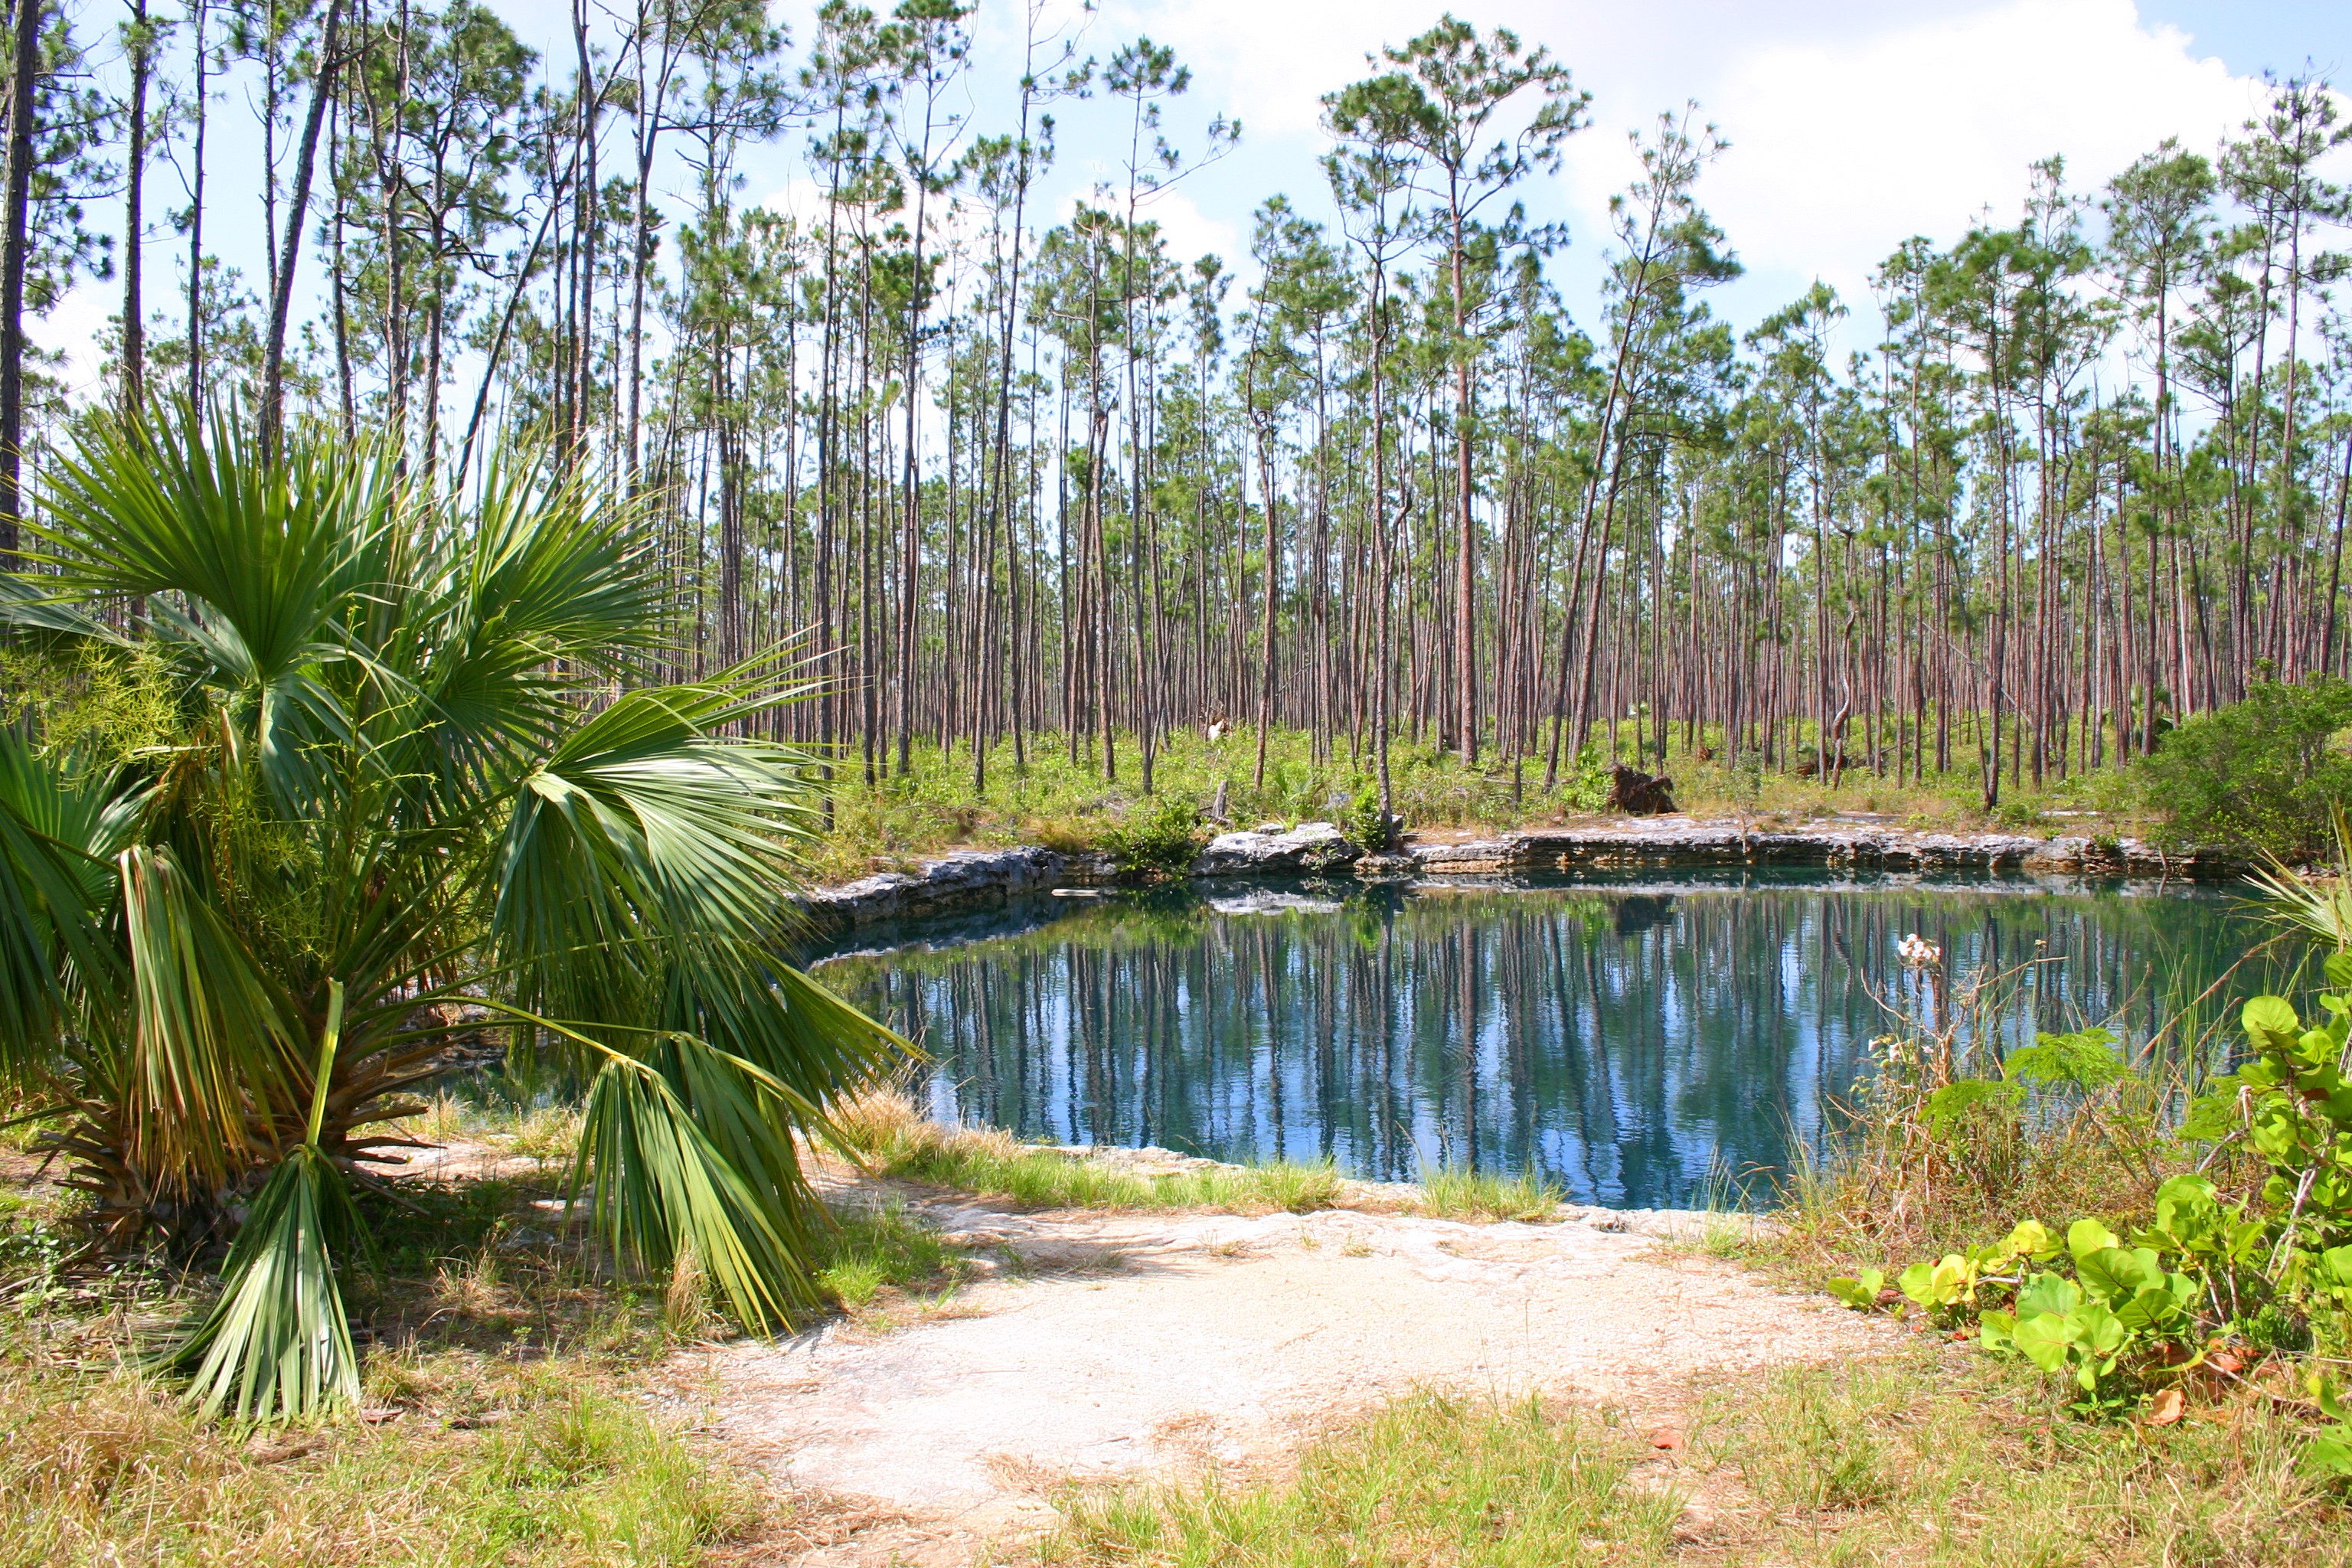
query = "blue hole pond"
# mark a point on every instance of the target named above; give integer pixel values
(1645, 1041)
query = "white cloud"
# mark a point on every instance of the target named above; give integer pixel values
(1192, 233)
(1853, 125)
(73, 328)
(800, 197)
(1841, 151)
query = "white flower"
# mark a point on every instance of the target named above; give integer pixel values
(1917, 952)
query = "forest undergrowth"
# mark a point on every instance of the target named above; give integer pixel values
(1047, 795)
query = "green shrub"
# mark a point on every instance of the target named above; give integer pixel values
(1586, 787)
(2208, 1271)
(2262, 775)
(1156, 840)
(1366, 826)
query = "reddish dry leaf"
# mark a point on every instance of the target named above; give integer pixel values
(1665, 1439)
(2165, 1408)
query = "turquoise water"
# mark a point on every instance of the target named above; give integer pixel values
(1645, 1041)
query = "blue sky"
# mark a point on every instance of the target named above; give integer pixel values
(2252, 37)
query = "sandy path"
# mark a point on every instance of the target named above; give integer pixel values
(1145, 1345)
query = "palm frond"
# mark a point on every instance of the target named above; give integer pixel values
(642, 829)
(277, 1346)
(214, 1041)
(392, 765)
(662, 1185)
(540, 589)
(31, 604)
(60, 822)
(2320, 909)
(267, 556)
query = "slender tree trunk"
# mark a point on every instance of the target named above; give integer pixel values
(135, 228)
(15, 242)
(273, 354)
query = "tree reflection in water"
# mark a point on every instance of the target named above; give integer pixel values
(1641, 1040)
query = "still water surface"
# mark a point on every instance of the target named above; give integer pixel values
(1644, 1042)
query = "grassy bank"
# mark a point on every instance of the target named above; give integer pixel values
(509, 1417)
(1928, 1456)
(1054, 799)
(890, 1137)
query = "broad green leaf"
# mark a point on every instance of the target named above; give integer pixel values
(2086, 1235)
(2032, 1238)
(2097, 1330)
(1996, 1331)
(2114, 1273)
(2050, 1293)
(1918, 1282)
(1860, 1292)
(2330, 1452)
(2327, 1394)
(2187, 1208)
(2151, 1311)
(2043, 1339)
(2269, 1019)
(2276, 1134)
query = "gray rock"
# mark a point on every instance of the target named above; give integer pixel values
(970, 879)
(1399, 867)
(1310, 846)
(985, 879)
(1683, 842)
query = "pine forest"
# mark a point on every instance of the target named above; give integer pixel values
(1026, 481)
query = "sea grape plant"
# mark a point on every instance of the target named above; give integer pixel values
(2269, 1269)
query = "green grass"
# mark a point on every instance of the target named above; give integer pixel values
(105, 1468)
(890, 1138)
(506, 1356)
(1050, 1178)
(1484, 1197)
(872, 1252)
(1429, 1479)
(1934, 1456)
(1923, 1457)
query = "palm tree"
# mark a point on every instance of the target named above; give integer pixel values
(390, 788)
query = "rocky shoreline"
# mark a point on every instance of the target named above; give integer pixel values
(985, 878)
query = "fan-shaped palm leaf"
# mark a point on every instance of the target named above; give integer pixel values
(410, 779)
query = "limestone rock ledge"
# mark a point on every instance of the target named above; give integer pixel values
(986, 879)
(1310, 847)
(1668, 841)
(965, 879)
